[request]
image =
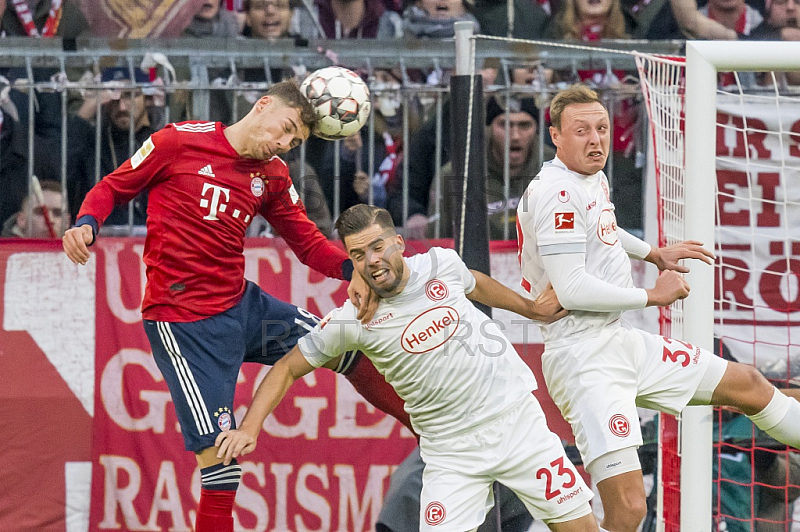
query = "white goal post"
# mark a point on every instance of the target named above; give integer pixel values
(704, 61)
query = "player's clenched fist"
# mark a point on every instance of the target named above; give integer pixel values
(76, 243)
(233, 443)
(670, 286)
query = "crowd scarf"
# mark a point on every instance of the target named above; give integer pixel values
(26, 17)
(592, 32)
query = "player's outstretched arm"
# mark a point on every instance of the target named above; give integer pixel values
(76, 243)
(667, 258)
(545, 308)
(270, 392)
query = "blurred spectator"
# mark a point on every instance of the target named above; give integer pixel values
(353, 164)
(213, 21)
(14, 131)
(531, 17)
(733, 14)
(591, 20)
(30, 221)
(434, 19)
(781, 22)
(524, 164)
(120, 107)
(67, 21)
(675, 19)
(268, 19)
(346, 19)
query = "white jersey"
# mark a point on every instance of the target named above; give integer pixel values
(566, 212)
(447, 360)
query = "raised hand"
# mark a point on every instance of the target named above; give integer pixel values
(667, 258)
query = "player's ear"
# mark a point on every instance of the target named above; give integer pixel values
(555, 135)
(401, 243)
(263, 102)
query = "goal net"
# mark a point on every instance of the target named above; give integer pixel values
(725, 125)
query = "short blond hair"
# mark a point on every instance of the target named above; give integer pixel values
(575, 94)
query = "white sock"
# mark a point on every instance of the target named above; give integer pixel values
(780, 419)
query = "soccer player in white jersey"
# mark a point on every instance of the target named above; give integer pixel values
(597, 369)
(467, 392)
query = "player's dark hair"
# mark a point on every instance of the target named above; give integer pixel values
(289, 93)
(575, 94)
(361, 216)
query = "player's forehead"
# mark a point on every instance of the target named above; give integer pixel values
(584, 113)
(368, 238)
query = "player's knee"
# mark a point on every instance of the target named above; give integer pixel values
(751, 390)
(625, 514)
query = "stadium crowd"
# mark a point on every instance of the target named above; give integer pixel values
(125, 118)
(104, 127)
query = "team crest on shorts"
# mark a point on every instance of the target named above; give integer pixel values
(435, 513)
(223, 416)
(257, 186)
(619, 425)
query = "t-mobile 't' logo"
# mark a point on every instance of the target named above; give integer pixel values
(216, 206)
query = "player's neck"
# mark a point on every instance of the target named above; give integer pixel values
(233, 134)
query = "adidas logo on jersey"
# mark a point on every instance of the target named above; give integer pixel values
(206, 170)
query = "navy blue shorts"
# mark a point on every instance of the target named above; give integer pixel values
(200, 360)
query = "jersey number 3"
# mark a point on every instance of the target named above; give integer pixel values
(673, 356)
(560, 471)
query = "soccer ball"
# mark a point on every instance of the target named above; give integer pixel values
(341, 100)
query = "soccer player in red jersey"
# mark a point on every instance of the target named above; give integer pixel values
(203, 319)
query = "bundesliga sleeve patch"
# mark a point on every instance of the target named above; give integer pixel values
(564, 222)
(293, 194)
(142, 153)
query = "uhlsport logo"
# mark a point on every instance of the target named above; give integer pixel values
(607, 227)
(435, 513)
(429, 330)
(436, 290)
(619, 425)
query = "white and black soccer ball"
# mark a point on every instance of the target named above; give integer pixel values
(341, 100)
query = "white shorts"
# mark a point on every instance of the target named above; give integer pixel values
(597, 383)
(516, 449)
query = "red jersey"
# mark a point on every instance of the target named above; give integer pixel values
(202, 197)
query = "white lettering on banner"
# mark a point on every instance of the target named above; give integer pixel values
(311, 501)
(111, 251)
(53, 300)
(118, 496)
(167, 484)
(347, 426)
(281, 473)
(348, 496)
(111, 391)
(251, 500)
(303, 290)
(123, 485)
(310, 408)
(253, 258)
(216, 205)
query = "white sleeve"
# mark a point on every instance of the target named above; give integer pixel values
(336, 333)
(634, 247)
(577, 290)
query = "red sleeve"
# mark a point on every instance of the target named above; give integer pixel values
(286, 213)
(147, 166)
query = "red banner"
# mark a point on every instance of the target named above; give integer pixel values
(322, 463)
(91, 434)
